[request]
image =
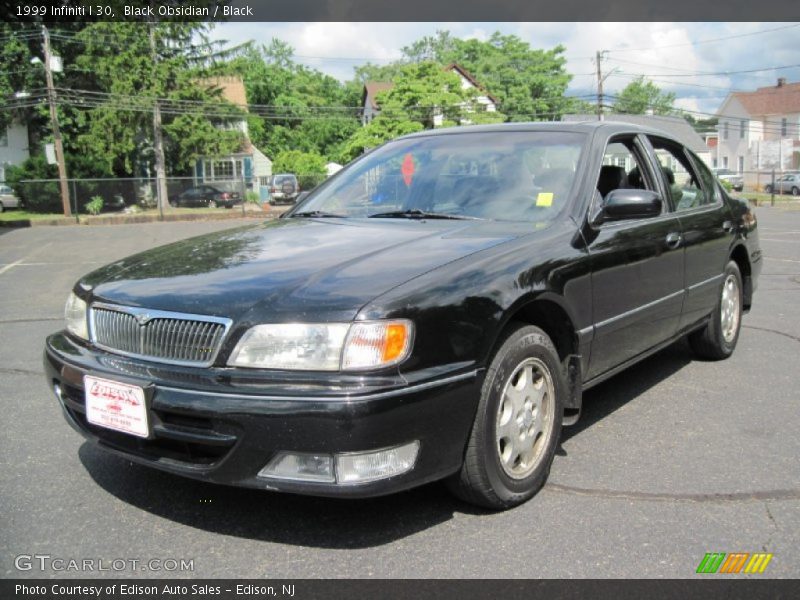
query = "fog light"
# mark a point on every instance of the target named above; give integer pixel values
(300, 467)
(369, 466)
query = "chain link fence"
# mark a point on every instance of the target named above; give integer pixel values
(140, 195)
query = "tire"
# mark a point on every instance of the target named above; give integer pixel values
(795, 191)
(510, 426)
(717, 340)
(2, 208)
(768, 189)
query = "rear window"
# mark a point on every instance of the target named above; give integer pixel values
(513, 175)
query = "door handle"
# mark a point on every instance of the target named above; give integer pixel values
(727, 226)
(674, 240)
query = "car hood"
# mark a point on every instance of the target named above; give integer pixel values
(292, 269)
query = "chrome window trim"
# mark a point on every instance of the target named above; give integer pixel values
(159, 314)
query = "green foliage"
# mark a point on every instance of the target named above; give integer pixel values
(288, 95)
(639, 96)
(308, 166)
(252, 197)
(37, 197)
(95, 205)
(727, 185)
(528, 83)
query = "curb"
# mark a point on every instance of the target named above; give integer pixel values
(136, 219)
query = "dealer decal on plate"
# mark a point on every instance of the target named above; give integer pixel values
(116, 405)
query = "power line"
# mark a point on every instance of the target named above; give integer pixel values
(695, 43)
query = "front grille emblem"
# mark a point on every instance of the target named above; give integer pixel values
(143, 319)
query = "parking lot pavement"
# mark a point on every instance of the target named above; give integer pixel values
(672, 459)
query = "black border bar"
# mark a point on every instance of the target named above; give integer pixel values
(406, 10)
(702, 588)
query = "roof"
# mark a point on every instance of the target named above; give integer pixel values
(677, 127)
(588, 127)
(373, 87)
(773, 100)
(231, 88)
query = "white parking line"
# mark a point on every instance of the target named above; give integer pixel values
(10, 266)
(782, 259)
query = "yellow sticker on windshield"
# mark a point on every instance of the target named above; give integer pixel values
(544, 199)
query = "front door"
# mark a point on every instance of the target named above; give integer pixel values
(637, 266)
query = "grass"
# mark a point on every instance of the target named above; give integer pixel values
(24, 215)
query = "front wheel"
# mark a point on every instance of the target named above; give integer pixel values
(717, 340)
(795, 191)
(518, 423)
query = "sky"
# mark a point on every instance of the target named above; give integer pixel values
(688, 59)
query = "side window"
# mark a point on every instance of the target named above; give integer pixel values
(621, 168)
(681, 177)
(707, 179)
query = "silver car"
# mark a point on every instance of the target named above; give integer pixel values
(7, 198)
(788, 183)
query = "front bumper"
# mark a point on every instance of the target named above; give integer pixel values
(208, 425)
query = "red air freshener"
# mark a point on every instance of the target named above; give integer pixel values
(407, 169)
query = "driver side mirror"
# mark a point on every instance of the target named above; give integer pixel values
(622, 204)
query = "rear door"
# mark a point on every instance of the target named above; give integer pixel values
(706, 222)
(637, 265)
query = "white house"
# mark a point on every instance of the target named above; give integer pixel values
(372, 88)
(249, 162)
(760, 130)
(13, 147)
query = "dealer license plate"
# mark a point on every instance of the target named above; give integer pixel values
(117, 406)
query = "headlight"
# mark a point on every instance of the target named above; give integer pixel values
(324, 346)
(75, 316)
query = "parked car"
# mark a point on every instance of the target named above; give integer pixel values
(205, 195)
(735, 179)
(7, 198)
(404, 325)
(283, 189)
(787, 184)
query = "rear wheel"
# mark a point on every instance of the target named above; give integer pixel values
(768, 189)
(518, 423)
(718, 338)
(795, 191)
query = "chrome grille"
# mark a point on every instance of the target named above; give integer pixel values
(167, 337)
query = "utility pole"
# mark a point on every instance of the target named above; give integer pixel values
(158, 147)
(51, 99)
(598, 60)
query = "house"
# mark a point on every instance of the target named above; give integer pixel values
(677, 127)
(370, 108)
(760, 130)
(13, 147)
(249, 163)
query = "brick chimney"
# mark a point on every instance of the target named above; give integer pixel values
(781, 81)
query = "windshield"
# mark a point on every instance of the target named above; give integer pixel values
(490, 175)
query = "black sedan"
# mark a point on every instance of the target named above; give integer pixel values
(433, 311)
(205, 195)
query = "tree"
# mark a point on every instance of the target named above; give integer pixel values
(298, 108)
(309, 167)
(640, 95)
(131, 74)
(529, 83)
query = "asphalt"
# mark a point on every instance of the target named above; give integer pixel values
(672, 459)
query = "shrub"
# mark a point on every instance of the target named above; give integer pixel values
(95, 205)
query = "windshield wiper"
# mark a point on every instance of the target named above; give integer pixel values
(318, 214)
(416, 213)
